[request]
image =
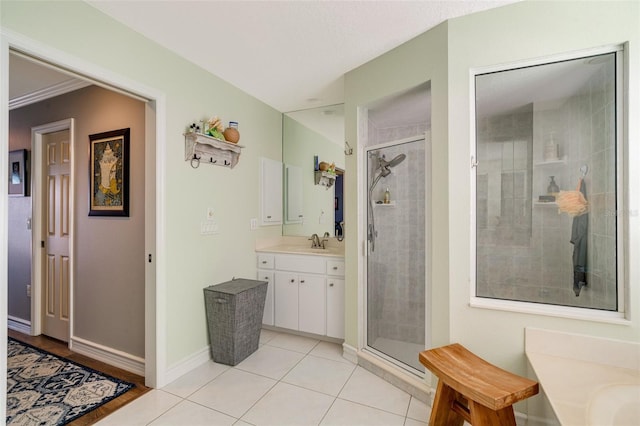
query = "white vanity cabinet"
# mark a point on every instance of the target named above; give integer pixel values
(266, 273)
(308, 292)
(335, 299)
(300, 302)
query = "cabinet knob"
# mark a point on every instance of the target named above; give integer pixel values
(335, 268)
(266, 278)
(330, 284)
(268, 217)
(264, 262)
(301, 281)
(292, 280)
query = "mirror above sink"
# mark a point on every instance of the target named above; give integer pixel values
(313, 201)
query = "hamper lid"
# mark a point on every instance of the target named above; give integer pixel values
(235, 286)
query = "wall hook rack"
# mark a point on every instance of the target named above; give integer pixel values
(202, 148)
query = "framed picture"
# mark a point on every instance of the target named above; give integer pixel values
(18, 176)
(109, 173)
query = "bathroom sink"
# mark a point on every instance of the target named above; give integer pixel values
(617, 404)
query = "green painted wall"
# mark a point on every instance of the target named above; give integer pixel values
(446, 55)
(193, 261)
(505, 35)
(421, 59)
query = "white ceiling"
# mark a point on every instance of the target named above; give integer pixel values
(292, 55)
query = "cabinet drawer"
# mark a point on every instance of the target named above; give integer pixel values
(335, 268)
(265, 261)
(308, 264)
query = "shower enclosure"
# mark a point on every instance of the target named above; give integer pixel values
(395, 262)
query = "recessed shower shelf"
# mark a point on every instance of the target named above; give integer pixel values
(558, 162)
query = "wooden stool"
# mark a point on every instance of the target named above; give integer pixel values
(471, 389)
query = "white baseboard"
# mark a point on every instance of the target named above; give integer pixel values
(123, 360)
(187, 364)
(19, 325)
(350, 353)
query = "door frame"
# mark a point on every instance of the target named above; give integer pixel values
(155, 147)
(37, 218)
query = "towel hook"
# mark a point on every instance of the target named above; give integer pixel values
(584, 169)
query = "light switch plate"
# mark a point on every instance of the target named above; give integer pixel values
(209, 227)
(254, 224)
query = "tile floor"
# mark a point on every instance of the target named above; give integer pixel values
(289, 380)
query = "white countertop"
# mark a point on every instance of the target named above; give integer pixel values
(300, 245)
(587, 380)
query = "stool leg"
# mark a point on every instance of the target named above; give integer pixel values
(441, 412)
(484, 416)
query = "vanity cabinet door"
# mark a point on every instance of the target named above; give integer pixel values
(267, 276)
(286, 300)
(271, 192)
(335, 308)
(311, 307)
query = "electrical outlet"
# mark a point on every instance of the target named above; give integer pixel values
(254, 224)
(28, 290)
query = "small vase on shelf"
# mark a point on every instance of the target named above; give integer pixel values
(553, 188)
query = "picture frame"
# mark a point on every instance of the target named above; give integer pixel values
(18, 173)
(109, 173)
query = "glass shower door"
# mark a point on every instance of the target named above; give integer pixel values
(396, 258)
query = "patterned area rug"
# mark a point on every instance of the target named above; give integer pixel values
(44, 389)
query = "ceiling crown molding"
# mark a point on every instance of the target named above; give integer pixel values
(47, 92)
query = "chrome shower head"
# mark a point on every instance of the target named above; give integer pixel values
(394, 162)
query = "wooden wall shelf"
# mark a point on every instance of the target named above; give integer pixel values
(199, 148)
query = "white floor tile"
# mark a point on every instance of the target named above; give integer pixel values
(270, 361)
(331, 351)
(267, 335)
(142, 410)
(366, 388)
(233, 392)
(293, 342)
(195, 379)
(418, 410)
(412, 422)
(349, 413)
(192, 414)
(289, 405)
(320, 374)
(241, 423)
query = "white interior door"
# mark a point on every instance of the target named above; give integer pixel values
(57, 228)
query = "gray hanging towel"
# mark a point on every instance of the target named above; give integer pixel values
(579, 240)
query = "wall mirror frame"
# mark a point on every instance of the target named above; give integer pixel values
(312, 203)
(548, 190)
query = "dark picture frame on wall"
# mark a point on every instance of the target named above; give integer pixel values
(109, 173)
(18, 173)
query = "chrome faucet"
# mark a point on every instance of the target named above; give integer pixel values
(315, 241)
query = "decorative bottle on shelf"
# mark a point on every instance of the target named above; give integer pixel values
(387, 196)
(553, 189)
(550, 149)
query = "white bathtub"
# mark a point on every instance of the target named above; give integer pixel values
(587, 380)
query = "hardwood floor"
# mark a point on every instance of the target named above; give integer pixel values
(60, 348)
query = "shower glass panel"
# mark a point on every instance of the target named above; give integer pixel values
(547, 198)
(396, 251)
